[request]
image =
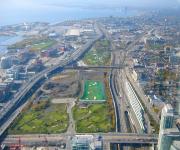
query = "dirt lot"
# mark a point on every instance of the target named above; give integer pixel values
(91, 75)
(63, 85)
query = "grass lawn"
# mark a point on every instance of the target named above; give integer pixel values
(95, 118)
(42, 45)
(35, 44)
(96, 58)
(52, 119)
(99, 54)
(93, 90)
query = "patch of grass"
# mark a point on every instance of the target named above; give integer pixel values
(95, 118)
(93, 90)
(99, 54)
(34, 44)
(42, 45)
(156, 110)
(41, 118)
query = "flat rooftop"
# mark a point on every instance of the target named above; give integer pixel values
(73, 32)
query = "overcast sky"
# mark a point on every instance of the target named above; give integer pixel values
(130, 3)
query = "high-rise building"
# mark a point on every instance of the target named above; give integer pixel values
(169, 139)
(175, 145)
(177, 105)
(164, 141)
(167, 117)
(6, 62)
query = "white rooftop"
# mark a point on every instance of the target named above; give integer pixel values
(73, 32)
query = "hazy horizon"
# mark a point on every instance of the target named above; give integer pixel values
(118, 3)
(16, 11)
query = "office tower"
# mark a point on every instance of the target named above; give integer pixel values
(167, 117)
(169, 139)
(166, 122)
(177, 106)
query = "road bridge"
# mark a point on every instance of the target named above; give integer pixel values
(93, 67)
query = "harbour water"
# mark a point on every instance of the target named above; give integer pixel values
(57, 14)
(7, 40)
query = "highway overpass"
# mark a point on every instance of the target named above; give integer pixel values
(93, 67)
(54, 139)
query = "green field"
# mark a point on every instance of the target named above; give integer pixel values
(95, 118)
(34, 44)
(41, 118)
(42, 45)
(99, 54)
(93, 91)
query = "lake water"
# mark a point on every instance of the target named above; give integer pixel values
(8, 40)
(58, 14)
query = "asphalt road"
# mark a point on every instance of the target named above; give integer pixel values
(36, 139)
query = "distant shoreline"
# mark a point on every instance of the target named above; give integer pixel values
(53, 15)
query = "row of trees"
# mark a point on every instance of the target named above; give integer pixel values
(109, 101)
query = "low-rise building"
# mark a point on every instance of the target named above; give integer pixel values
(155, 101)
(136, 106)
(86, 142)
(4, 91)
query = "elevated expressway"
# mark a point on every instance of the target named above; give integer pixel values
(93, 67)
(11, 110)
(54, 139)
